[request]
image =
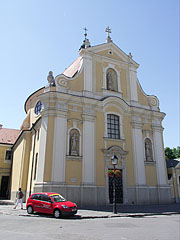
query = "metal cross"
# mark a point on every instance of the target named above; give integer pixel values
(108, 30)
(85, 34)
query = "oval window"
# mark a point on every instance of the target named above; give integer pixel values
(38, 107)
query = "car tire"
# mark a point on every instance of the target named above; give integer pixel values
(30, 210)
(57, 213)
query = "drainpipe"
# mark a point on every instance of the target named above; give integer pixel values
(34, 144)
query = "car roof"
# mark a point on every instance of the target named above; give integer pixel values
(47, 193)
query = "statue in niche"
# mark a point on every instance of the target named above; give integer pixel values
(74, 143)
(148, 150)
(111, 79)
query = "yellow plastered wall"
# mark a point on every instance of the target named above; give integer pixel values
(123, 82)
(112, 56)
(21, 162)
(49, 149)
(73, 172)
(143, 100)
(3, 164)
(151, 176)
(78, 83)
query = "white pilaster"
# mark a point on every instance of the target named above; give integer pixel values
(159, 154)
(59, 149)
(88, 174)
(87, 62)
(42, 149)
(133, 84)
(138, 148)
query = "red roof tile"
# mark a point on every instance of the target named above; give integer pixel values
(8, 136)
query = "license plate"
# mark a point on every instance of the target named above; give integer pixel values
(73, 210)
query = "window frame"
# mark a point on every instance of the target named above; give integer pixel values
(38, 108)
(5, 155)
(113, 126)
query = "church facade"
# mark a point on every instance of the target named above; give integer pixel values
(93, 111)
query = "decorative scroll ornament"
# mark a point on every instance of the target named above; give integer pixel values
(153, 101)
(64, 83)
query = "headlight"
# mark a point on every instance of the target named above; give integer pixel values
(64, 206)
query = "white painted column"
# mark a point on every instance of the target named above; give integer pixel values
(87, 62)
(59, 149)
(133, 84)
(159, 154)
(88, 174)
(42, 149)
(138, 148)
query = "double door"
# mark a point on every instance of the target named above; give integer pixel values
(118, 189)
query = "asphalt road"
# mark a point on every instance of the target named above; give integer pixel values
(157, 227)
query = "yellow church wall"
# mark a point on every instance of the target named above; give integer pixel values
(112, 56)
(78, 83)
(151, 175)
(4, 164)
(143, 100)
(73, 172)
(32, 158)
(49, 149)
(25, 164)
(100, 159)
(21, 162)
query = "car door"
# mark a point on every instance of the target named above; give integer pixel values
(36, 201)
(47, 206)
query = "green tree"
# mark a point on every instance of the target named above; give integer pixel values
(172, 153)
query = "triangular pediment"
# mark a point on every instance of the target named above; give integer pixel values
(112, 51)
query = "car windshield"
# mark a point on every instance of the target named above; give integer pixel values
(58, 198)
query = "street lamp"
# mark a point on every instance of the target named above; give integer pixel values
(114, 161)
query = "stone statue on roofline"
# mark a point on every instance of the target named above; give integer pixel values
(50, 79)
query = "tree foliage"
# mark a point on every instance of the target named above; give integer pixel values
(172, 153)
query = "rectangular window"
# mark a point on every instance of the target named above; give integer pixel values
(8, 155)
(113, 126)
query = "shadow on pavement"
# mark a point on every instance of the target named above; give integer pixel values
(155, 209)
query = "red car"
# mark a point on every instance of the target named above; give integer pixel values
(51, 203)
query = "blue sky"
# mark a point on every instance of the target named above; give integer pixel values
(42, 35)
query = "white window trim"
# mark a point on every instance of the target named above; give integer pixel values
(120, 125)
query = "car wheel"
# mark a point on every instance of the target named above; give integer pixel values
(57, 213)
(30, 210)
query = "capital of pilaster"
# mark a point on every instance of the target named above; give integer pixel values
(136, 122)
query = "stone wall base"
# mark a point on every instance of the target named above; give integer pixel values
(88, 195)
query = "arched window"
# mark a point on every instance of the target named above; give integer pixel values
(111, 80)
(148, 150)
(38, 107)
(74, 142)
(113, 128)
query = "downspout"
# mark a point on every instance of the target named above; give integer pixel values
(34, 144)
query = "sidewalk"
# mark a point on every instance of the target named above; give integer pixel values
(6, 208)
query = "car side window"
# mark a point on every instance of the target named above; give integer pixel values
(36, 197)
(46, 198)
